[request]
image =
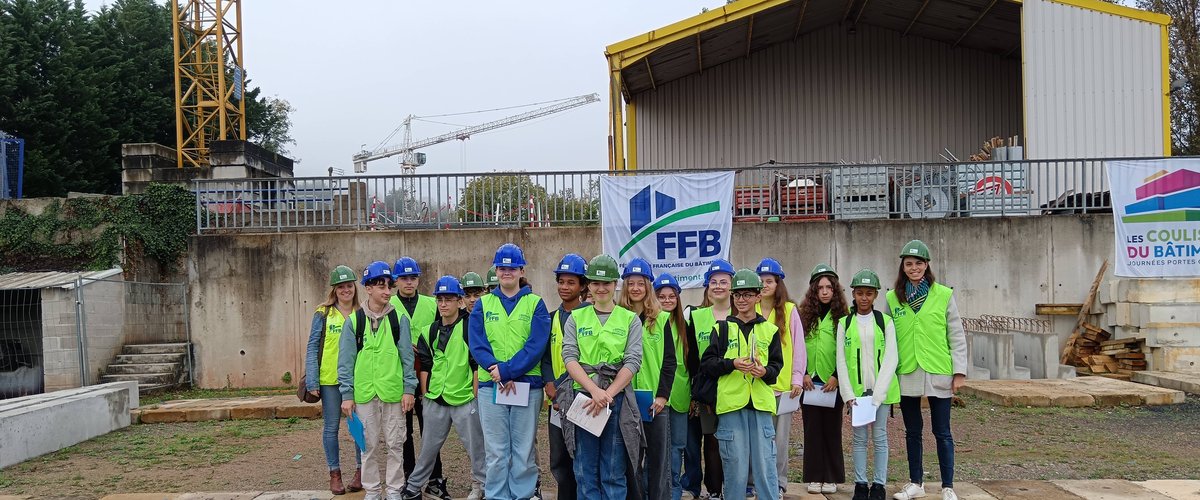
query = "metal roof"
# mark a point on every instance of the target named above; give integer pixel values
(741, 28)
(52, 279)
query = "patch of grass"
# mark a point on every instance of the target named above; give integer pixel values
(215, 394)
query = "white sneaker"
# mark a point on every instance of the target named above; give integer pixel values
(828, 488)
(814, 488)
(476, 492)
(373, 496)
(910, 491)
(948, 494)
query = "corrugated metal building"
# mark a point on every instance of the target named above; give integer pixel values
(801, 81)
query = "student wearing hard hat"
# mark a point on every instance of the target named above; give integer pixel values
(508, 331)
(377, 380)
(685, 435)
(320, 367)
(473, 288)
(656, 376)
(570, 279)
(602, 347)
(823, 306)
(866, 365)
(448, 378)
(745, 357)
(933, 363)
(421, 311)
(776, 305)
(715, 307)
(492, 280)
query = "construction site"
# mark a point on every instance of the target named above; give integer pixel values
(996, 131)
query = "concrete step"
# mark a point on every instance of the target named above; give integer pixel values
(1186, 382)
(168, 348)
(142, 378)
(145, 389)
(135, 368)
(134, 359)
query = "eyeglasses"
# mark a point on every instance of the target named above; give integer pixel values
(744, 296)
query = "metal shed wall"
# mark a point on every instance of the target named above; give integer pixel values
(832, 96)
(1094, 83)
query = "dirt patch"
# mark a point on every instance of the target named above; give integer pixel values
(992, 443)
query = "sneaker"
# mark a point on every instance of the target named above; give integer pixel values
(476, 492)
(814, 488)
(408, 495)
(828, 488)
(877, 492)
(948, 494)
(860, 491)
(782, 490)
(910, 491)
(437, 489)
(373, 496)
(750, 492)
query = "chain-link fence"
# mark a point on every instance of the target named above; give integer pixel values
(57, 334)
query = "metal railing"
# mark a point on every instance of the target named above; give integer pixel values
(773, 192)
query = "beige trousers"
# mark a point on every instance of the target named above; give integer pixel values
(382, 422)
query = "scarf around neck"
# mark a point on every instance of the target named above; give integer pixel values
(916, 294)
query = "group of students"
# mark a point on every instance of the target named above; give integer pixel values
(674, 386)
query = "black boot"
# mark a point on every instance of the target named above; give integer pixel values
(877, 492)
(860, 491)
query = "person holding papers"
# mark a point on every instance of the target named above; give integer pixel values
(745, 357)
(866, 365)
(933, 363)
(507, 333)
(823, 306)
(377, 380)
(654, 381)
(685, 431)
(448, 376)
(602, 347)
(570, 277)
(781, 312)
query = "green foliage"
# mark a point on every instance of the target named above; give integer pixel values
(504, 198)
(1184, 41)
(76, 86)
(87, 233)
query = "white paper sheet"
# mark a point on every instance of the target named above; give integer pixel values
(818, 397)
(787, 404)
(556, 418)
(586, 421)
(518, 398)
(863, 411)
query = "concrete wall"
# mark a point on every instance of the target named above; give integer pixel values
(31, 426)
(253, 295)
(104, 320)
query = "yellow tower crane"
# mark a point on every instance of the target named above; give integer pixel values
(210, 79)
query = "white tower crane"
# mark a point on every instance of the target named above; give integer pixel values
(410, 159)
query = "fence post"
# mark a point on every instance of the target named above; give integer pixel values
(81, 331)
(187, 328)
(196, 192)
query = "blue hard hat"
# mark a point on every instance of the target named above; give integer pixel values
(448, 285)
(638, 267)
(770, 266)
(665, 280)
(718, 266)
(406, 266)
(571, 264)
(509, 255)
(377, 269)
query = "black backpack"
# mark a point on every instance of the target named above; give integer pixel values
(360, 326)
(878, 320)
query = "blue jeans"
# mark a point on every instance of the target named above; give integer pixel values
(331, 412)
(747, 439)
(685, 455)
(858, 446)
(939, 418)
(600, 461)
(508, 436)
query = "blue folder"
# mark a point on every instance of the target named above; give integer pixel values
(355, 426)
(644, 400)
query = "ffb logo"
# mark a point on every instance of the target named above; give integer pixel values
(650, 211)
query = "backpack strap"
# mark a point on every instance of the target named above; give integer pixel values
(394, 321)
(324, 326)
(360, 327)
(879, 320)
(846, 322)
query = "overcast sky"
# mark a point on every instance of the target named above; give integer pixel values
(353, 70)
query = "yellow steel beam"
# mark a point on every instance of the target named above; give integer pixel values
(207, 47)
(1166, 90)
(616, 125)
(1119, 10)
(631, 139)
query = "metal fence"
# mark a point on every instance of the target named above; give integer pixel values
(774, 192)
(12, 167)
(61, 335)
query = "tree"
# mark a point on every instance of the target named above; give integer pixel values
(573, 210)
(1184, 41)
(499, 198)
(269, 121)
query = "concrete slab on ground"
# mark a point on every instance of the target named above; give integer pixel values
(1071, 393)
(235, 495)
(199, 410)
(1176, 489)
(32, 426)
(1109, 489)
(15, 497)
(298, 495)
(1025, 490)
(1186, 382)
(143, 496)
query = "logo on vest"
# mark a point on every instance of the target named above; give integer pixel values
(585, 331)
(491, 317)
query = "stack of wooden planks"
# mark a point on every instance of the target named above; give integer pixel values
(1088, 344)
(1118, 358)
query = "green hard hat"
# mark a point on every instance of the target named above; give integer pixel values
(822, 269)
(492, 280)
(602, 268)
(915, 248)
(746, 279)
(341, 274)
(866, 278)
(472, 280)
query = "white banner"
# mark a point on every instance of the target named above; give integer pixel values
(1156, 209)
(679, 223)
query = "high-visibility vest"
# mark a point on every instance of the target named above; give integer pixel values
(378, 370)
(450, 377)
(735, 389)
(507, 333)
(921, 336)
(784, 383)
(853, 348)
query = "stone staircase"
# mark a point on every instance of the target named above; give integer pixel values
(155, 367)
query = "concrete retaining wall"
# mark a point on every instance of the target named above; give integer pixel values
(35, 425)
(253, 295)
